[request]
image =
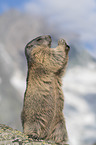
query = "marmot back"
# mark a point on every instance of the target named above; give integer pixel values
(42, 116)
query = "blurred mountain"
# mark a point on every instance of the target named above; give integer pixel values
(16, 29)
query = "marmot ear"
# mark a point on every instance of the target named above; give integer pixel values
(41, 40)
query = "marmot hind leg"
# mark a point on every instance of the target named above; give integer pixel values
(32, 130)
(59, 132)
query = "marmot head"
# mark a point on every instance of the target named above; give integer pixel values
(41, 40)
(44, 40)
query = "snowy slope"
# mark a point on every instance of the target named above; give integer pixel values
(79, 86)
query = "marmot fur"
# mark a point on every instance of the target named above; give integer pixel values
(42, 116)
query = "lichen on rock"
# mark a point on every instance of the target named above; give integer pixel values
(14, 137)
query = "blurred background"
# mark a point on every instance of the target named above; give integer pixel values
(75, 21)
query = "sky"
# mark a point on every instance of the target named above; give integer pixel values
(74, 16)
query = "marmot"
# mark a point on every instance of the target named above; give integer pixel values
(42, 116)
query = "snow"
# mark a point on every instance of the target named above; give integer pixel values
(81, 120)
(5, 55)
(18, 81)
(81, 79)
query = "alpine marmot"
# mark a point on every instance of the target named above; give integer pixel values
(42, 116)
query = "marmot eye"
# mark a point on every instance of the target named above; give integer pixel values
(39, 39)
(29, 46)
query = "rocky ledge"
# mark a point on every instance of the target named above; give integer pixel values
(9, 136)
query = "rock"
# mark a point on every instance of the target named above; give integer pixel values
(9, 136)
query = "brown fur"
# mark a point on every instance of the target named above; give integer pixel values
(42, 116)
